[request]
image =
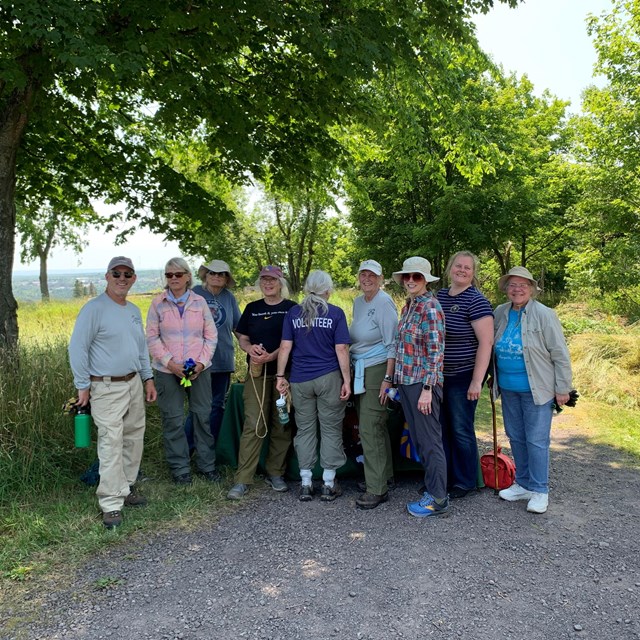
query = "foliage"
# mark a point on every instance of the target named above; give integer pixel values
(410, 195)
(606, 252)
(96, 90)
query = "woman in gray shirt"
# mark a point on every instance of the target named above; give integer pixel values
(372, 331)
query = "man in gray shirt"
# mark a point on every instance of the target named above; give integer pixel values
(110, 364)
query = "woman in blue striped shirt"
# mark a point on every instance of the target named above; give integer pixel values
(467, 352)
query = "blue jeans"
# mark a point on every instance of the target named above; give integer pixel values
(528, 427)
(220, 382)
(458, 433)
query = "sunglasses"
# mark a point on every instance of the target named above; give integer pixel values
(118, 274)
(416, 277)
(177, 274)
(217, 273)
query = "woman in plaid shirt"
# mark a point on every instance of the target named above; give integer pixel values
(418, 372)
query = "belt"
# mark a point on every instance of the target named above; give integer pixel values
(126, 378)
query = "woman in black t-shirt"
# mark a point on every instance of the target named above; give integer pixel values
(259, 333)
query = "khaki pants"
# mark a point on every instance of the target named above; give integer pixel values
(251, 444)
(318, 401)
(117, 408)
(374, 431)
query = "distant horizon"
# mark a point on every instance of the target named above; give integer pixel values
(78, 270)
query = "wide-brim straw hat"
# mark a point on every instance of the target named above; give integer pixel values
(218, 266)
(521, 272)
(415, 264)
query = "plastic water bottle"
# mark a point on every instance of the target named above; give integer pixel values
(281, 405)
(393, 394)
(82, 428)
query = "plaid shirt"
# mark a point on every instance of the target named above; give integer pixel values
(420, 342)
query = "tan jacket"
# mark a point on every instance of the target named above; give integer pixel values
(546, 357)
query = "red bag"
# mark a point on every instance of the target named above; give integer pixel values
(506, 470)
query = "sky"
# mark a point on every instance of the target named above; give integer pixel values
(545, 39)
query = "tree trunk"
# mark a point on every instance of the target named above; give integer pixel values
(44, 278)
(13, 120)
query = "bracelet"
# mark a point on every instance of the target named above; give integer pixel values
(388, 378)
(279, 375)
(147, 379)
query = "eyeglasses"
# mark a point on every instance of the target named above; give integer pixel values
(118, 274)
(513, 285)
(177, 274)
(217, 273)
(416, 277)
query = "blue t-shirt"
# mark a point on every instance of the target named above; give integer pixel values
(512, 373)
(460, 342)
(226, 315)
(314, 352)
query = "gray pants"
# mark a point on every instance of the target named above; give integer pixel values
(318, 401)
(426, 434)
(171, 396)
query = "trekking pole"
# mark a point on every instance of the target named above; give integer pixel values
(495, 441)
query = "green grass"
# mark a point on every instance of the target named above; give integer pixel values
(49, 520)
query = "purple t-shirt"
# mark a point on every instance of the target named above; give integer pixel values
(314, 352)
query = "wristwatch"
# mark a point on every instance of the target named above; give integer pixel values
(388, 378)
(426, 387)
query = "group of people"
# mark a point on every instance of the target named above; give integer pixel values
(437, 354)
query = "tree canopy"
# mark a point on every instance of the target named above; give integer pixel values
(99, 87)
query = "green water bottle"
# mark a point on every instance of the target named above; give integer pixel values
(82, 428)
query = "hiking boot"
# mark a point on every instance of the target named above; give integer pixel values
(371, 500)
(211, 476)
(135, 499)
(538, 502)
(329, 494)
(515, 492)
(112, 519)
(428, 507)
(277, 483)
(237, 491)
(306, 493)
(391, 485)
(184, 479)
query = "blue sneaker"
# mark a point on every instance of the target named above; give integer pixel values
(427, 506)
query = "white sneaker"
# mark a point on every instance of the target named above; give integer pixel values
(538, 503)
(515, 492)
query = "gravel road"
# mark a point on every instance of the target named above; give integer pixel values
(278, 569)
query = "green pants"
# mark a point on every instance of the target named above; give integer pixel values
(374, 431)
(253, 431)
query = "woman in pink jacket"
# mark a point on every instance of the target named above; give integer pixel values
(182, 338)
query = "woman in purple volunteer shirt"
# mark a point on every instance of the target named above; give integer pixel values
(316, 335)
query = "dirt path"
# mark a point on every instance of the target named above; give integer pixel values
(278, 569)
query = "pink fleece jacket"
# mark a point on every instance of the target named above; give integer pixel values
(170, 335)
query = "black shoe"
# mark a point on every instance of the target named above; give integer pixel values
(458, 492)
(391, 485)
(371, 500)
(306, 493)
(211, 476)
(329, 494)
(185, 478)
